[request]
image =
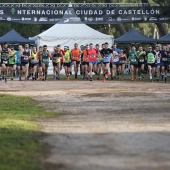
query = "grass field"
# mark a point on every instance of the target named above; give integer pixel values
(19, 145)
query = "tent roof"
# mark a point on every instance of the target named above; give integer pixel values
(70, 26)
(133, 36)
(165, 39)
(13, 37)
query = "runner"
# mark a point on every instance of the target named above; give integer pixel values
(12, 64)
(122, 61)
(75, 55)
(67, 61)
(61, 58)
(25, 61)
(115, 61)
(18, 61)
(141, 64)
(56, 55)
(92, 60)
(151, 59)
(45, 61)
(85, 62)
(5, 60)
(164, 63)
(106, 54)
(133, 57)
(34, 62)
(158, 62)
(39, 58)
(0, 64)
(99, 63)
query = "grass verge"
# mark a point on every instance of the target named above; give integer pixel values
(19, 145)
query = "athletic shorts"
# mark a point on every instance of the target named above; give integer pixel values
(140, 64)
(152, 65)
(46, 63)
(165, 64)
(158, 64)
(135, 65)
(61, 64)
(33, 64)
(116, 64)
(99, 63)
(105, 63)
(11, 65)
(85, 63)
(55, 64)
(23, 64)
(6, 64)
(94, 62)
(18, 64)
(77, 62)
(67, 64)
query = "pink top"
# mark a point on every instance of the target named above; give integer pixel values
(92, 55)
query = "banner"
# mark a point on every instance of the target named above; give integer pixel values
(82, 13)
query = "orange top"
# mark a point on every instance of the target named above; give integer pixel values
(85, 56)
(75, 54)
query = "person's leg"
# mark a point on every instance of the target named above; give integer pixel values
(90, 69)
(0, 72)
(163, 72)
(150, 72)
(113, 71)
(34, 71)
(99, 70)
(132, 72)
(82, 71)
(58, 70)
(26, 71)
(158, 72)
(122, 70)
(46, 70)
(85, 71)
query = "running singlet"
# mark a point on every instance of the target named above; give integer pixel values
(67, 58)
(56, 57)
(106, 55)
(133, 58)
(92, 55)
(116, 52)
(4, 56)
(45, 57)
(85, 56)
(164, 57)
(25, 59)
(18, 57)
(75, 53)
(141, 57)
(63, 53)
(151, 57)
(122, 59)
(168, 56)
(158, 57)
(34, 57)
(12, 59)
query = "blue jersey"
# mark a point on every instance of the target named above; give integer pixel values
(106, 55)
(117, 50)
(18, 57)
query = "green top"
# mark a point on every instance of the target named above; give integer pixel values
(133, 57)
(45, 57)
(67, 58)
(150, 58)
(12, 59)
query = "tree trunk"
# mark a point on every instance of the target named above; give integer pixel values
(161, 27)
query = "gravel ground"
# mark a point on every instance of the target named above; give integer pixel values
(103, 126)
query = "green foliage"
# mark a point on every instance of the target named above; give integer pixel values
(19, 145)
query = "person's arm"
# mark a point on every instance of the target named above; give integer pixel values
(49, 54)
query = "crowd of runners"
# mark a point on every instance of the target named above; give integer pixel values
(25, 63)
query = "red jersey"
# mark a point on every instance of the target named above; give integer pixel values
(92, 55)
(63, 53)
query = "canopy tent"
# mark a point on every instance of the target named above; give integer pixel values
(133, 36)
(164, 40)
(12, 37)
(66, 33)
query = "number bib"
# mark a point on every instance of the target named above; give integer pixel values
(122, 61)
(75, 57)
(164, 59)
(5, 62)
(141, 60)
(151, 60)
(133, 60)
(45, 60)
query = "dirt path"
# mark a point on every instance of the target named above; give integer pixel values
(103, 126)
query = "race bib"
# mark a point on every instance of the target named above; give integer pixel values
(141, 60)
(87, 59)
(164, 59)
(45, 60)
(25, 58)
(75, 57)
(66, 59)
(151, 60)
(92, 56)
(122, 61)
(5, 62)
(133, 60)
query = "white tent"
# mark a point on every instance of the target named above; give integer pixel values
(68, 31)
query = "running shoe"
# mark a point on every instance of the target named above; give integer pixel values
(40, 77)
(157, 79)
(5, 80)
(0, 78)
(3, 77)
(132, 79)
(12, 78)
(25, 79)
(165, 79)
(151, 80)
(68, 78)
(104, 79)
(98, 78)
(140, 78)
(75, 76)
(91, 79)
(20, 79)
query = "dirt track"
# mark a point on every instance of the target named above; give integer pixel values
(103, 126)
